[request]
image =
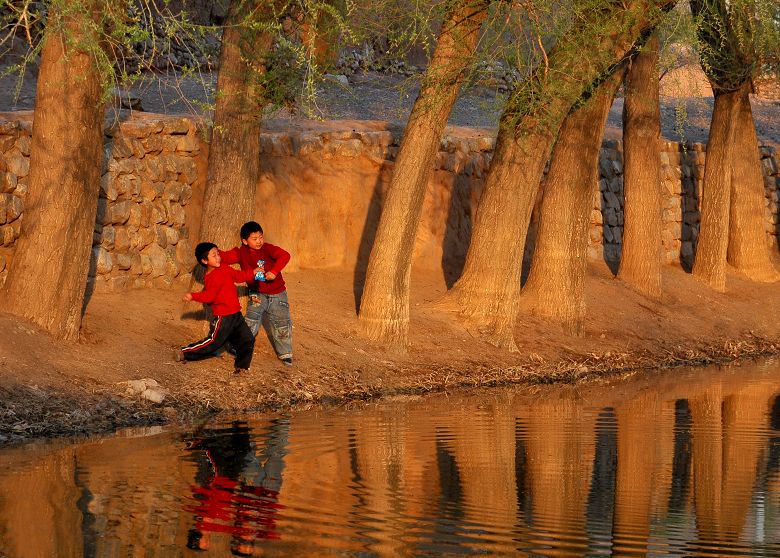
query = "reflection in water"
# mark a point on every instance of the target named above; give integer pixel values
(237, 491)
(685, 463)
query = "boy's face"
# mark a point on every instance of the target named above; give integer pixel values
(254, 240)
(213, 259)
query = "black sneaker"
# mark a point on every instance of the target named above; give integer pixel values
(178, 355)
(240, 370)
(287, 361)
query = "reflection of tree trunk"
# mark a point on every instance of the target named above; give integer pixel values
(710, 264)
(556, 283)
(707, 454)
(384, 308)
(561, 447)
(47, 279)
(748, 249)
(487, 292)
(234, 153)
(39, 508)
(640, 264)
(636, 469)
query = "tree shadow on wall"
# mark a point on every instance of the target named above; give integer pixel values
(689, 207)
(367, 241)
(464, 200)
(457, 230)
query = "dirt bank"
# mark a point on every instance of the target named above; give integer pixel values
(51, 389)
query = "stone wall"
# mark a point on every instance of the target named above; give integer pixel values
(320, 195)
(141, 231)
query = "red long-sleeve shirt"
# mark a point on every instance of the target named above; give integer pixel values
(275, 260)
(219, 289)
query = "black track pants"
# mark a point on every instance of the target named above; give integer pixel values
(231, 328)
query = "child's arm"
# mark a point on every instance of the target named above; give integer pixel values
(282, 258)
(230, 257)
(242, 275)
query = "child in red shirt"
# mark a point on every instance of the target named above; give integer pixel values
(228, 324)
(268, 302)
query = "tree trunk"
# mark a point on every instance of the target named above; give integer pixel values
(48, 277)
(748, 249)
(384, 307)
(556, 282)
(487, 293)
(710, 263)
(640, 264)
(234, 153)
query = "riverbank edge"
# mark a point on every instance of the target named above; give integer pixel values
(30, 413)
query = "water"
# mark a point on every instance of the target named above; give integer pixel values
(679, 463)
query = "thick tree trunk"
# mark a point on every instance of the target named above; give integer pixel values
(234, 153)
(640, 264)
(715, 198)
(48, 276)
(556, 282)
(487, 292)
(384, 307)
(748, 249)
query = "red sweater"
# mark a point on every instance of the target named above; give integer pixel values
(275, 260)
(219, 289)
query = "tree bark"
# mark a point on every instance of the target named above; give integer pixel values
(748, 250)
(384, 307)
(640, 264)
(234, 152)
(48, 276)
(556, 283)
(715, 205)
(487, 292)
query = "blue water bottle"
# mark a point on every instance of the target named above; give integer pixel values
(260, 276)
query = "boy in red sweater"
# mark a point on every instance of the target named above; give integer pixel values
(268, 302)
(228, 324)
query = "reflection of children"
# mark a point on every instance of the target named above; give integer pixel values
(225, 503)
(228, 324)
(268, 303)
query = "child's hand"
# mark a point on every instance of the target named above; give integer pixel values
(187, 297)
(270, 275)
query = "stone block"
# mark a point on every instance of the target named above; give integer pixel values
(152, 145)
(23, 144)
(8, 182)
(158, 260)
(7, 141)
(128, 186)
(172, 191)
(18, 163)
(611, 200)
(103, 215)
(184, 254)
(171, 236)
(107, 237)
(188, 143)
(108, 188)
(122, 260)
(596, 217)
(607, 232)
(610, 216)
(140, 128)
(595, 252)
(153, 170)
(102, 259)
(120, 211)
(186, 194)
(177, 126)
(616, 185)
(124, 166)
(150, 191)
(122, 239)
(158, 212)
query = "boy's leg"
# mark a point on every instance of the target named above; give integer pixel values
(278, 325)
(243, 341)
(206, 347)
(255, 309)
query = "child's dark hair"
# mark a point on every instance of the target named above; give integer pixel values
(202, 251)
(250, 227)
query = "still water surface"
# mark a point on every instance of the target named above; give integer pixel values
(677, 463)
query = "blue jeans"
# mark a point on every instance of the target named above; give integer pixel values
(273, 311)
